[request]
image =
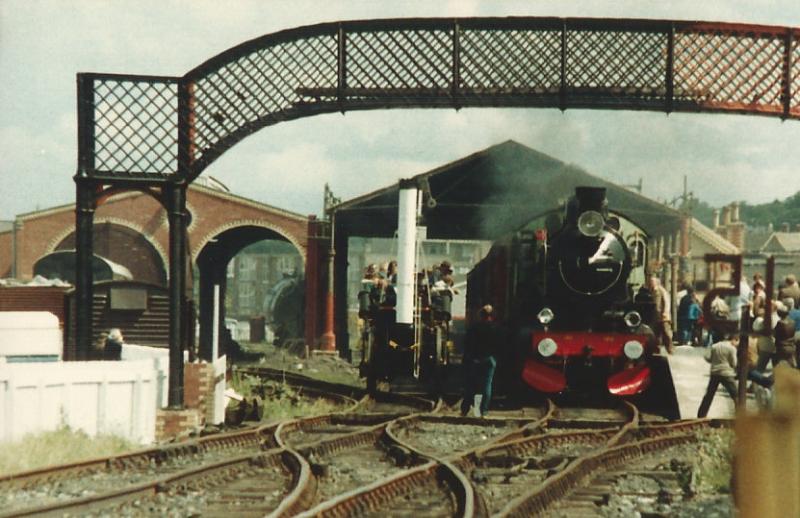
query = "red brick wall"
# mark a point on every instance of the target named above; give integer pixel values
(171, 424)
(198, 389)
(5, 254)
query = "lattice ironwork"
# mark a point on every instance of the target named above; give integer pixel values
(794, 67)
(730, 69)
(510, 61)
(259, 88)
(135, 126)
(405, 61)
(160, 128)
(616, 64)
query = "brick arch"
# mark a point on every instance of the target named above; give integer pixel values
(260, 223)
(135, 229)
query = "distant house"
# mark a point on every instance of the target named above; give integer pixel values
(702, 241)
(782, 243)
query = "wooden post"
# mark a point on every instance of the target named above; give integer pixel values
(767, 462)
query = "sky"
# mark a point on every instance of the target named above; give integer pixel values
(44, 44)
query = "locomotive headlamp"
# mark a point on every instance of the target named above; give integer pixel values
(633, 349)
(547, 347)
(590, 223)
(545, 316)
(633, 319)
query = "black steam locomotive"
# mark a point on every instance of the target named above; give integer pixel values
(389, 349)
(568, 288)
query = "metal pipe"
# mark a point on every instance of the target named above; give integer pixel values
(84, 217)
(84, 250)
(406, 248)
(176, 202)
(328, 338)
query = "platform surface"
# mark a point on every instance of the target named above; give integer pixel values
(690, 375)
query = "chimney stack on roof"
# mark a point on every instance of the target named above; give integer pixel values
(716, 218)
(726, 215)
(785, 227)
(735, 212)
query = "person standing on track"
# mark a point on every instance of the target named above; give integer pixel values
(722, 357)
(481, 346)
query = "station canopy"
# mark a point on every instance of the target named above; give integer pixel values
(493, 192)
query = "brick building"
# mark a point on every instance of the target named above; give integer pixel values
(131, 229)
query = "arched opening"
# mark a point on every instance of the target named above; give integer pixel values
(253, 276)
(127, 247)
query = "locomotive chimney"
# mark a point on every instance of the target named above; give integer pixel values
(591, 198)
(406, 250)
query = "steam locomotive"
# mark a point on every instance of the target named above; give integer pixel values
(390, 349)
(569, 290)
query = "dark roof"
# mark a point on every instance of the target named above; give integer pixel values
(495, 191)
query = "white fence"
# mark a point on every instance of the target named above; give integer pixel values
(102, 397)
(117, 398)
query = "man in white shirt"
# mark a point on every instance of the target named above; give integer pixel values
(722, 357)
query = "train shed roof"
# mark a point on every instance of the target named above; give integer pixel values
(492, 192)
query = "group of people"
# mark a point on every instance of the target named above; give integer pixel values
(776, 347)
(381, 281)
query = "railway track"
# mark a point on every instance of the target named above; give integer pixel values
(403, 453)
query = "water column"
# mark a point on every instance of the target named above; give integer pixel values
(406, 250)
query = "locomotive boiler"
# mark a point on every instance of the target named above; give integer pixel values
(568, 288)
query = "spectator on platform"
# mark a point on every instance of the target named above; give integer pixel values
(391, 272)
(481, 347)
(722, 357)
(662, 318)
(757, 280)
(785, 349)
(759, 301)
(790, 289)
(739, 302)
(765, 343)
(794, 314)
(383, 270)
(688, 314)
(113, 347)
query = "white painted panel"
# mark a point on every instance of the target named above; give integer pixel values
(119, 415)
(83, 414)
(220, 365)
(97, 397)
(24, 333)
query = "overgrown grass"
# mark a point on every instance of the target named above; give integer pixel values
(324, 368)
(714, 462)
(280, 400)
(59, 446)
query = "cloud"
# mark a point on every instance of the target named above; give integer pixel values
(44, 43)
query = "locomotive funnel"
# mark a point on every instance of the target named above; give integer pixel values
(591, 198)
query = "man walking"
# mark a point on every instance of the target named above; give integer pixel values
(481, 345)
(722, 357)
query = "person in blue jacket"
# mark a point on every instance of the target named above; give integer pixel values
(688, 314)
